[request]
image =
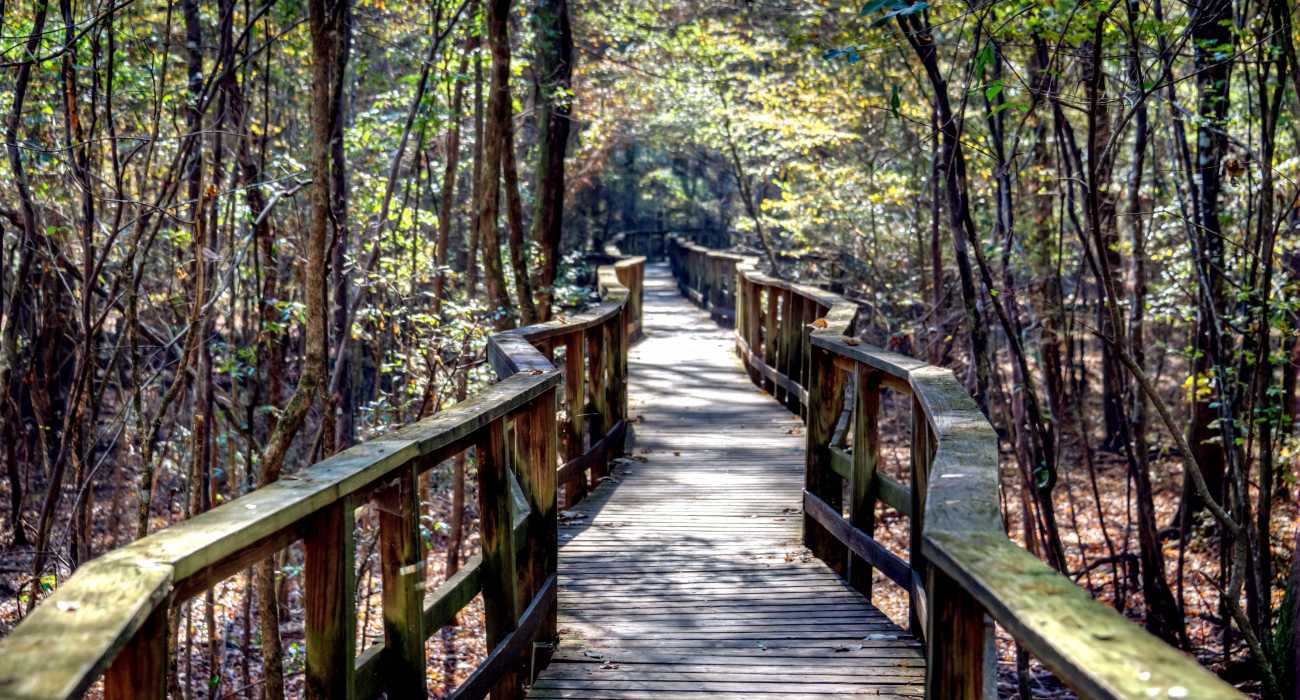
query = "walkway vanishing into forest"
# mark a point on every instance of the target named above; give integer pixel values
(684, 575)
(733, 555)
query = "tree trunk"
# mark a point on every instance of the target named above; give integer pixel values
(489, 195)
(953, 162)
(1164, 617)
(338, 399)
(472, 248)
(448, 194)
(1211, 26)
(553, 39)
(515, 224)
(327, 19)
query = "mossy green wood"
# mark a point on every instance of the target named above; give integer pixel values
(68, 640)
(863, 485)
(574, 399)
(402, 563)
(536, 468)
(140, 670)
(597, 406)
(92, 622)
(496, 537)
(971, 568)
(825, 387)
(330, 601)
(771, 309)
(94, 613)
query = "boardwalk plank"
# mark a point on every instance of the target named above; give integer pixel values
(683, 575)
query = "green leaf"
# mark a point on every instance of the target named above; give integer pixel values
(993, 90)
(894, 101)
(983, 59)
(999, 109)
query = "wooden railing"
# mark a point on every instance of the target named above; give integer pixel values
(652, 245)
(627, 271)
(961, 569)
(111, 617)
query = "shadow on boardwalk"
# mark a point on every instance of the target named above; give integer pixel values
(683, 575)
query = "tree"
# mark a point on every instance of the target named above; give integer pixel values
(553, 40)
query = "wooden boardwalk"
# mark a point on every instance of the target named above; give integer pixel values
(684, 576)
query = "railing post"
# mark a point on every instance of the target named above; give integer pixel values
(785, 351)
(535, 433)
(402, 563)
(500, 616)
(825, 400)
(810, 312)
(598, 383)
(688, 267)
(770, 336)
(866, 459)
(611, 378)
(331, 624)
(717, 283)
(747, 319)
(576, 488)
(618, 383)
(960, 658)
(140, 669)
(706, 267)
(638, 296)
(922, 452)
(792, 347)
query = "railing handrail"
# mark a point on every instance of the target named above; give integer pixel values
(112, 602)
(971, 567)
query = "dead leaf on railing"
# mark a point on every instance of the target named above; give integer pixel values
(819, 323)
(535, 372)
(852, 341)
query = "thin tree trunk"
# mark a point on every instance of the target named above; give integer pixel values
(553, 39)
(472, 248)
(489, 196)
(327, 19)
(953, 162)
(515, 224)
(448, 194)
(1164, 617)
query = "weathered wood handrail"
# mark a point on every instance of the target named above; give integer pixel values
(110, 617)
(797, 343)
(652, 245)
(629, 273)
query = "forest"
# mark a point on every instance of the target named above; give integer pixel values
(238, 237)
